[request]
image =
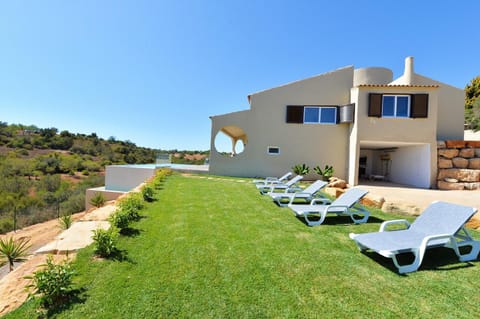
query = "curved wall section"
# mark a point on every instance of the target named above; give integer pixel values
(374, 75)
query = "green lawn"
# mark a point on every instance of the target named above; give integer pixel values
(215, 248)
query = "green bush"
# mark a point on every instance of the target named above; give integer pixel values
(52, 284)
(301, 169)
(147, 193)
(132, 205)
(65, 221)
(327, 172)
(105, 242)
(98, 200)
(120, 219)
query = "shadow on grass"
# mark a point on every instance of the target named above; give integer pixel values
(75, 296)
(130, 232)
(435, 259)
(339, 220)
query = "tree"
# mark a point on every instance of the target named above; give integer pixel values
(472, 104)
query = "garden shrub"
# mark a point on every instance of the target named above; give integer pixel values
(53, 284)
(98, 200)
(147, 193)
(105, 242)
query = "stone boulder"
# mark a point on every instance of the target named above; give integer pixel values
(339, 183)
(441, 144)
(445, 163)
(335, 192)
(450, 186)
(474, 163)
(448, 152)
(473, 144)
(472, 186)
(464, 175)
(373, 201)
(477, 152)
(467, 152)
(460, 162)
(455, 143)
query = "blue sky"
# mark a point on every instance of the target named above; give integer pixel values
(152, 72)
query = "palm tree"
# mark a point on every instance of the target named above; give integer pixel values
(14, 250)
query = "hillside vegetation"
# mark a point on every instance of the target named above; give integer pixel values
(44, 173)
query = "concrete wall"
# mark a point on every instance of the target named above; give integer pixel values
(410, 165)
(265, 125)
(109, 195)
(124, 177)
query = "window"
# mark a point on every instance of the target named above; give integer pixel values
(273, 150)
(318, 114)
(396, 106)
(400, 105)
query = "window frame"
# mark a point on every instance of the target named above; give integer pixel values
(319, 120)
(270, 148)
(395, 103)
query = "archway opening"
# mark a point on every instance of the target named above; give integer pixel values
(230, 141)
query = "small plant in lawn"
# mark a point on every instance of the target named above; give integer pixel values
(301, 169)
(327, 172)
(65, 221)
(105, 241)
(52, 284)
(120, 219)
(98, 200)
(132, 205)
(14, 250)
(147, 193)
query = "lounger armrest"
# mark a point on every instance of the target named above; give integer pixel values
(320, 201)
(384, 225)
(336, 207)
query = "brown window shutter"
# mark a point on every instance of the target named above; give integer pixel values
(375, 104)
(294, 114)
(419, 106)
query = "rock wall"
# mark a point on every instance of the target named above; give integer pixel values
(458, 165)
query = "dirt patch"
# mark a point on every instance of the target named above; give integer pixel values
(12, 284)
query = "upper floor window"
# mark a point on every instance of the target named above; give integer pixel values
(396, 106)
(320, 114)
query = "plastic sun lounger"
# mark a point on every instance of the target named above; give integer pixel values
(306, 195)
(271, 180)
(345, 205)
(440, 225)
(280, 187)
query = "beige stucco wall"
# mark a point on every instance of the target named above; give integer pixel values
(451, 106)
(393, 132)
(265, 125)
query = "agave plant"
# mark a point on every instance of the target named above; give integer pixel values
(301, 169)
(327, 172)
(14, 250)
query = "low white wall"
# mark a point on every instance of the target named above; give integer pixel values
(124, 178)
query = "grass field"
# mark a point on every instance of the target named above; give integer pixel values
(214, 248)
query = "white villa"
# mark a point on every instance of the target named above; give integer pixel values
(361, 121)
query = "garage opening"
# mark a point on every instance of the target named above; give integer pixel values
(407, 164)
(230, 141)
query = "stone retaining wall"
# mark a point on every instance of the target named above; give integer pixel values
(458, 165)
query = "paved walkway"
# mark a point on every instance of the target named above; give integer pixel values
(418, 198)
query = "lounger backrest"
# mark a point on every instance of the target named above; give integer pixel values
(315, 187)
(442, 218)
(350, 197)
(286, 176)
(294, 180)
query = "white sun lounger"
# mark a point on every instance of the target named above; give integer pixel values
(345, 205)
(282, 187)
(440, 225)
(272, 180)
(306, 195)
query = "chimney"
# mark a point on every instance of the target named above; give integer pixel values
(408, 73)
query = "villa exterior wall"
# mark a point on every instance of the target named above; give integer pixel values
(265, 125)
